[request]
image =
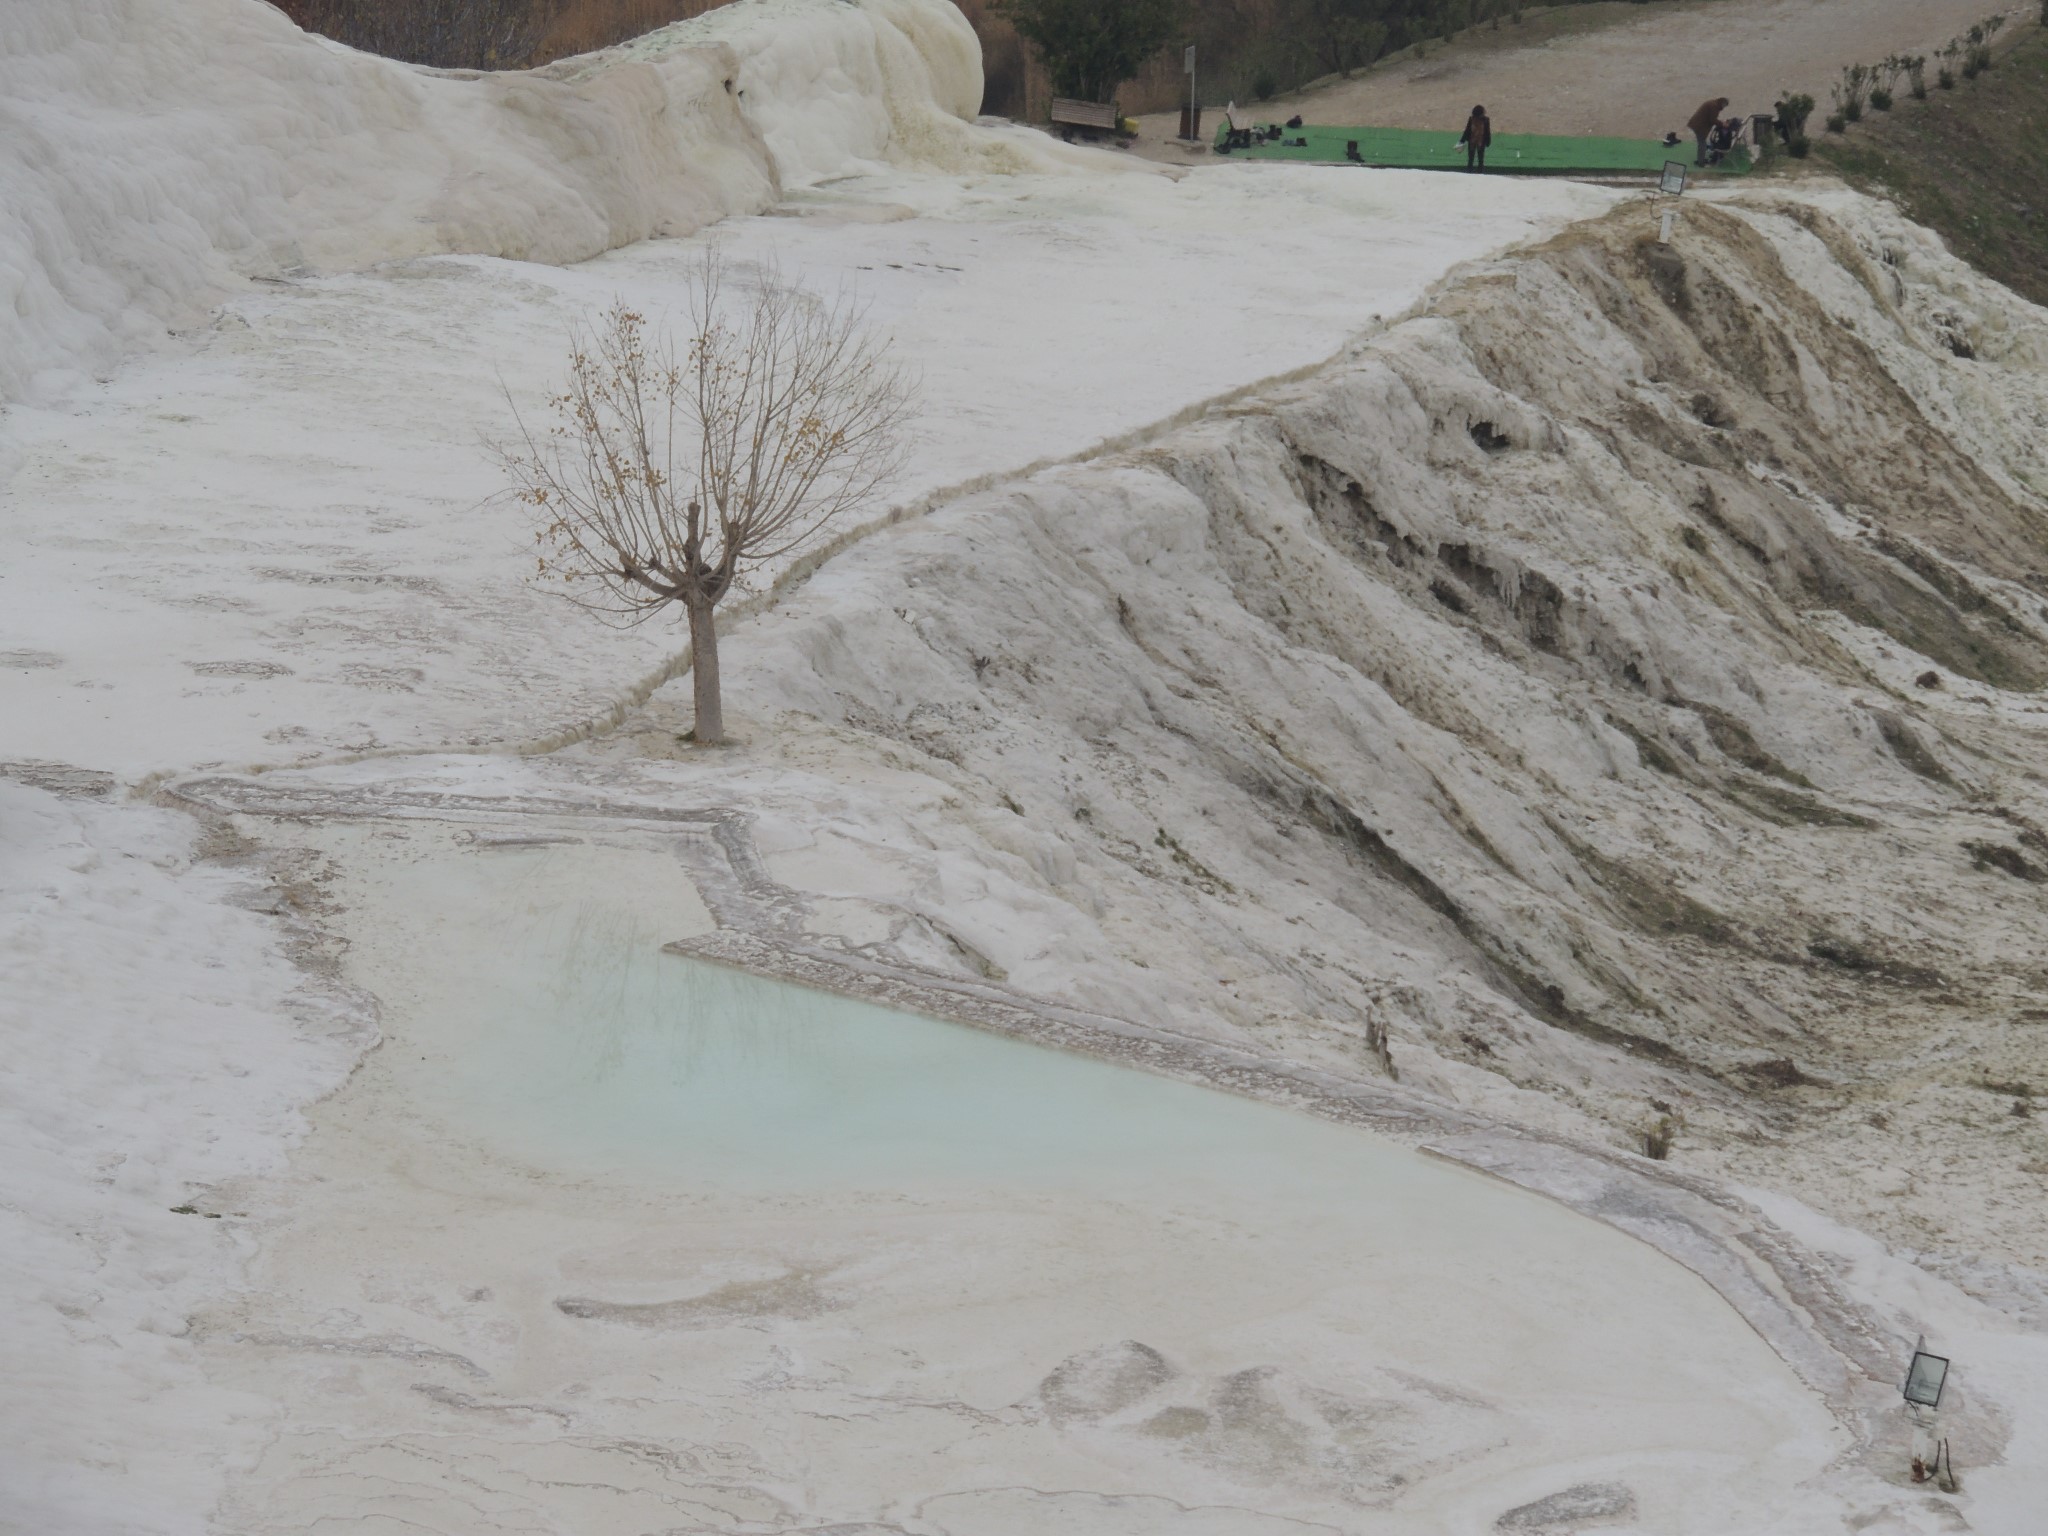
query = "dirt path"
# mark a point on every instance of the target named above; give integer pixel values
(1622, 69)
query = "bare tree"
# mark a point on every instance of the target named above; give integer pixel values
(666, 475)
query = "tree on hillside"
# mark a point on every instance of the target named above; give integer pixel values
(1090, 47)
(451, 34)
(667, 475)
(1345, 34)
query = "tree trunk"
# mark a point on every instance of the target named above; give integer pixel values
(710, 728)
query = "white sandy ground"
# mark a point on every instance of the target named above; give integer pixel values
(158, 153)
(158, 1039)
(1137, 1352)
(265, 542)
(290, 521)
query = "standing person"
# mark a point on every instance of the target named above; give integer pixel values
(1703, 123)
(1477, 135)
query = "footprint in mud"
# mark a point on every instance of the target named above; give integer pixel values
(1103, 1381)
(240, 668)
(1571, 1510)
(1269, 1426)
(381, 679)
(793, 1295)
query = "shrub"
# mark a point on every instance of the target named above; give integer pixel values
(1658, 1138)
(1916, 73)
(1800, 147)
(1793, 112)
(1946, 79)
(1837, 123)
(1090, 49)
(1851, 90)
(1976, 61)
(1265, 87)
(1881, 99)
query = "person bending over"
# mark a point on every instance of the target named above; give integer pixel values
(1477, 135)
(1703, 123)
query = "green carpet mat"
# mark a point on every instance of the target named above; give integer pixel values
(1525, 154)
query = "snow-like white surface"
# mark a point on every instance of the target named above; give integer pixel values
(1994, 1362)
(1043, 734)
(156, 1043)
(268, 536)
(152, 152)
(279, 542)
(972, 1274)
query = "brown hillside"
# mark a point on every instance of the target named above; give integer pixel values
(1967, 162)
(486, 34)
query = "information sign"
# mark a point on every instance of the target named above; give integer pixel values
(1925, 1379)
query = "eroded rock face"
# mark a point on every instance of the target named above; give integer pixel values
(1537, 691)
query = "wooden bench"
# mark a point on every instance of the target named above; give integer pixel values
(1092, 117)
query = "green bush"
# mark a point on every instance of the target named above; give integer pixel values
(1881, 99)
(1946, 79)
(1793, 111)
(1850, 92)
(1090, 48)
(1837, 123)
(1800, 147)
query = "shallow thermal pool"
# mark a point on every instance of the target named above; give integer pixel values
(574, 1040)
(591, 1196)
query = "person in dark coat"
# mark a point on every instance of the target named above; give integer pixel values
(1702, 123)
(1477, 135)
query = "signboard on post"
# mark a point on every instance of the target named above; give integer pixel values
(1187, 63)
(1674, 177)
(1925, 1378)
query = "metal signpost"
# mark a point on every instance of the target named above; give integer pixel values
(1925, 1378)
(1191, 114)
(1673, 183)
